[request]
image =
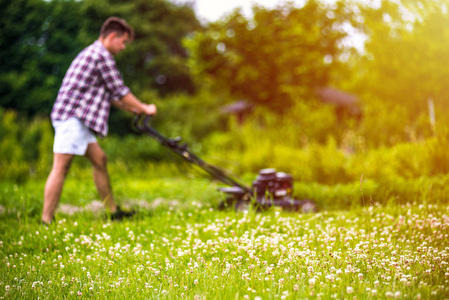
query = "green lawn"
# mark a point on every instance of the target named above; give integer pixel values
(179, 245)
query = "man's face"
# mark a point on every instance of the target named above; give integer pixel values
(117, 43)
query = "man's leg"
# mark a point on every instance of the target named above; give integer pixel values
(53, 187)
(99, 159)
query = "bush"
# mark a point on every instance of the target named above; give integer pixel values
(25, 147)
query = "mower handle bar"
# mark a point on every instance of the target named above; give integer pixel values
(184, 152)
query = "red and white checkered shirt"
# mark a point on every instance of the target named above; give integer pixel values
(90, 84)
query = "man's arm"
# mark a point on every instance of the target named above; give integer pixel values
(132, 104)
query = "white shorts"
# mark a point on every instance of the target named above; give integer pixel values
(72, 137)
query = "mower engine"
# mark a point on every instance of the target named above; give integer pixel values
(270, 188)
(272, 185)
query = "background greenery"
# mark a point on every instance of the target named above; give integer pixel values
(275, 61)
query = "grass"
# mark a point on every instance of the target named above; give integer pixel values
(186, 248)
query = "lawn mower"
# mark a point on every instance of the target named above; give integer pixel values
(270, 188)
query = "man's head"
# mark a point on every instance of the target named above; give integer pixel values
(115, 33)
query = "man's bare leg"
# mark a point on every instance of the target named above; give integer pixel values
(98, 158)
(54, 184)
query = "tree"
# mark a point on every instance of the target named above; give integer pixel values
(275, 57)
(407, 47)
(39, 39)
(36, 49)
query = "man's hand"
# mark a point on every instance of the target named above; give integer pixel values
(149, 109)
(131, 103)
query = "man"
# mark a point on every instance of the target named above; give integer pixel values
(81, 111)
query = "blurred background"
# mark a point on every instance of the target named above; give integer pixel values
(324, 90)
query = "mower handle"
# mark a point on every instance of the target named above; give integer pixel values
(183, 151)
(138, 119)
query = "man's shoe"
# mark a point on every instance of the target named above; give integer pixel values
(119, 214)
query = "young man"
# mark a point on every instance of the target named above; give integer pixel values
(81, 111)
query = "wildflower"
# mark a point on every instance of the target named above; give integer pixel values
(195, 281)
(374, 292)
(389, 294)
(349, 290)
(312, 281)
(397, 294)
(7, 288)
(281, 281)
(246, 297)
(79, 293)
(295, 287)
(360, 275)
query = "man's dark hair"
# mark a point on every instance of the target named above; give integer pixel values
(117, 25)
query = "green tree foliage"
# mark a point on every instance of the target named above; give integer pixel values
(276, 56)
(405, 55)
(39, 39)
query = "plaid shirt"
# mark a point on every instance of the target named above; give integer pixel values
(90, 84)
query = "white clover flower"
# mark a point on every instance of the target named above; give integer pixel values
(312, 281)
(295, 287)
(389, 294)
(349, 290)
